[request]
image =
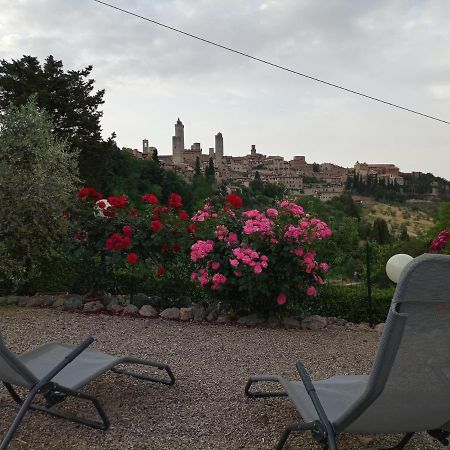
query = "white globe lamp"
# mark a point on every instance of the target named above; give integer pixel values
(396, 264)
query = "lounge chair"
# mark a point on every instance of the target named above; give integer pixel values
(57, 371)
(408, 389)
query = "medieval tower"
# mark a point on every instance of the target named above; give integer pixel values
(219, 149)
(178, 143)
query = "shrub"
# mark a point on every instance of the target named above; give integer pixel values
(255, 261)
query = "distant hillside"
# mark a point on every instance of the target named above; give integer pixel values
(416, 221)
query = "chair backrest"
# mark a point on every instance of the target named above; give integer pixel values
(409, 385)
(12, 370)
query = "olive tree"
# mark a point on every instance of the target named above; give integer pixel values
(38, 178)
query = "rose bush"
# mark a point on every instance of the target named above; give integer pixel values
(258, 261)
(249, 260)
(441, 242)
(132, 247)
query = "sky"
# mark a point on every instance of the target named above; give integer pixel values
(392, 49)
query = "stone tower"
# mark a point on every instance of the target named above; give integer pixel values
(219, 150)
(178, 143)
(145, 148)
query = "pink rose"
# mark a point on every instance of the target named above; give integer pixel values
(281, 299)
(311, 291)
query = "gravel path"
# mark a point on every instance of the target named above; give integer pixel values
(206, 408)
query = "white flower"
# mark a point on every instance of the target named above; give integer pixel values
(100, 206)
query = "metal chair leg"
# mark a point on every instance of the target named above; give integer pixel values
(165, 367)
(405, 439)
(289, 429)
(26, 404)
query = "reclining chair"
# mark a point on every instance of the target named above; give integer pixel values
(408, 389)
(57, 371)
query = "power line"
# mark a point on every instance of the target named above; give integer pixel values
(286, 69)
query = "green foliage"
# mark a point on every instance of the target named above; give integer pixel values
(73, 106)
(38, 178)
(380, 231)
(351, 303)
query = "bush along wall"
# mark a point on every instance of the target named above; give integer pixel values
(265, 262)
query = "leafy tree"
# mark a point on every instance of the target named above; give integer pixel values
(198, 170)
(257, 185)
(155, 157)
(404, 236)
(38, 179)
(380, 231)
(444, 216)
(210, 172)
(73, 106)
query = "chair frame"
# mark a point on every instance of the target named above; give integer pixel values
(54, 393)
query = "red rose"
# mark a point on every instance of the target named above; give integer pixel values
(161, 271)
(89, 192)
(165, 248)
(156, 225)
(126, 242)
(127, 230)
(234, 200)
(114, 242)
(66, 214)
(183, 215)
(175, 201)
(134, 212)
(192, 228)
(132, 258)
(176, 248)
(149, 198)
(119, 201)
(164, 209)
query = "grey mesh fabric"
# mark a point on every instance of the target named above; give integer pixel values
(408, 388)
(84, 368)
(12, 370)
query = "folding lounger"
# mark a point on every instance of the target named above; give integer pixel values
(408, 389)
(57, 371)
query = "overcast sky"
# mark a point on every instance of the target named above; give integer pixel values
(396, 50)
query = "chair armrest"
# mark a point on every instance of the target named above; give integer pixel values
(325, 422)
(68, 359)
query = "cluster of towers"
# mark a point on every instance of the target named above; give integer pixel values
(181, 155)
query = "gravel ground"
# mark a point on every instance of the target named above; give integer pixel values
(206, 408)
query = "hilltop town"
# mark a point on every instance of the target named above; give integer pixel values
(324, 181)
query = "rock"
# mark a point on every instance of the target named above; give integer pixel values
(140, 300)
(186, 314)
(92, 307)
(130, 309)
(336, 321)
(3, 300)
(58, 302)
(115, 309)
(47, 300)
(23, 301)
(251, 320)
(223, 319)
(272, 322)
(148, 311)
(379, 328)
(171, 314)
(212, 313)
(155, 301)
(366, 440)
(314, 322)
(291, 322)
(73, 301)
(198, 312)
(363, 326)
(35, 302)
(12, 300)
